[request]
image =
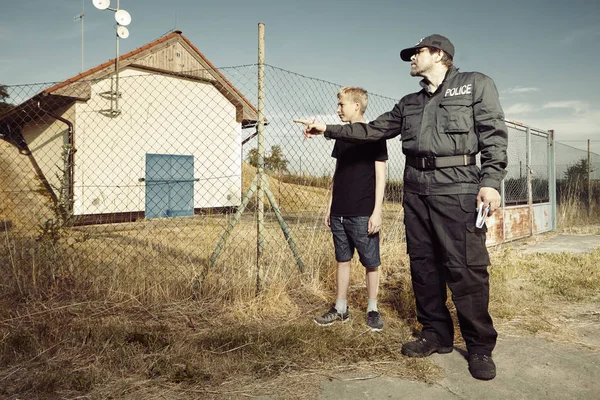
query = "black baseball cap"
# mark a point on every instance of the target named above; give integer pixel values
(435, 41)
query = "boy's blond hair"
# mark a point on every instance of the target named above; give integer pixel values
(356, 95)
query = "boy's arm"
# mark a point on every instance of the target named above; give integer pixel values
(377, 216)
(386, 126)
(328, 210)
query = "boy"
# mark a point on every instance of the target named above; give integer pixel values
(355, 208)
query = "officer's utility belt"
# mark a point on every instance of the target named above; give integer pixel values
(440, 162)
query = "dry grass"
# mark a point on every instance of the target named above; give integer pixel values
(290, 197)
(134, 311)
(66, 348)
(525, 285)
(83, 318)
(72, 343)
(21, 203)
(69, 342)
(572, 212)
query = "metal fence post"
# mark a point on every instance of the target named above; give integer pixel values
(552, 176)
(261, 152)
(529, 180)
(503, 205)
(589, 179)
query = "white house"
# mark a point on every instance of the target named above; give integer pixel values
(169, 144)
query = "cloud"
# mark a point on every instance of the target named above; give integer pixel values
(573, 121)
(287, 116)
(574, 127)
(573, 130)
(581, 34)
(520, 108)
(520, 90)
(579, 107)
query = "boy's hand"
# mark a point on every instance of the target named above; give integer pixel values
(374, 223)
(311, 127)
(327, 219)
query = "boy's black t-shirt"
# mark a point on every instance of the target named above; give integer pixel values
(354, 177)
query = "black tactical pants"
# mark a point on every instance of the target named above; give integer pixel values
(445, 247)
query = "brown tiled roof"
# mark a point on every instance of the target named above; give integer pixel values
(141, 49)
(223, 83)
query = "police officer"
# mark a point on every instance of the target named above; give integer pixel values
(454, 116)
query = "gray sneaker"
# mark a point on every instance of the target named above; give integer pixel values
(332, 316)
(374, 321)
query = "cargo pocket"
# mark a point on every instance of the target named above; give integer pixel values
(456, 116)
(477, 254)
(476, 251)
(456, 121)
(412, 123)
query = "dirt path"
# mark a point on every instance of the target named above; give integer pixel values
(528, 368)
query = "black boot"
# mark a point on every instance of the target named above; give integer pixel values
(423, 348)
(482, 367)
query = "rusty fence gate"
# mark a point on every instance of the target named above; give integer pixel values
(529, 188)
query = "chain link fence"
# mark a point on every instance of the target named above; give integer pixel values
(133, 192)
(577, 177)
(521, 141)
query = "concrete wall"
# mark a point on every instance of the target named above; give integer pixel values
(162, 115)
(46, 138)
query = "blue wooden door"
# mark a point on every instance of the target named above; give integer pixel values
(169, 185)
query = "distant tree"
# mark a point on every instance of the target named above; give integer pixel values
(3, 92)
(577, 174)
(4, 106)
(253, 157)
(275, 161)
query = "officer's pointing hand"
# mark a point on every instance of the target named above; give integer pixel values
(488, 195)
(311, 127)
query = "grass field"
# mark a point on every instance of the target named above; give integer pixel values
(136, 311)
(72, 343)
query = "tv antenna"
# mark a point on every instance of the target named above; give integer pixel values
(123, 19)
(81, 17)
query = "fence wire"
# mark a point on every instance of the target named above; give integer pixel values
(134, 190)
(577, 175)
(142, 191)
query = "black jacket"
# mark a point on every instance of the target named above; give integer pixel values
(463, 116)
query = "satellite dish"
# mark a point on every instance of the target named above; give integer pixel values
(122, 32)
(122, 17)
(101, 4)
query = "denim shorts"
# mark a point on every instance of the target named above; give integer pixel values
(351, 233)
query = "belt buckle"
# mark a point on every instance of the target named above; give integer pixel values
(428, 162)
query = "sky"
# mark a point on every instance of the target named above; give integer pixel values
(543, 55)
